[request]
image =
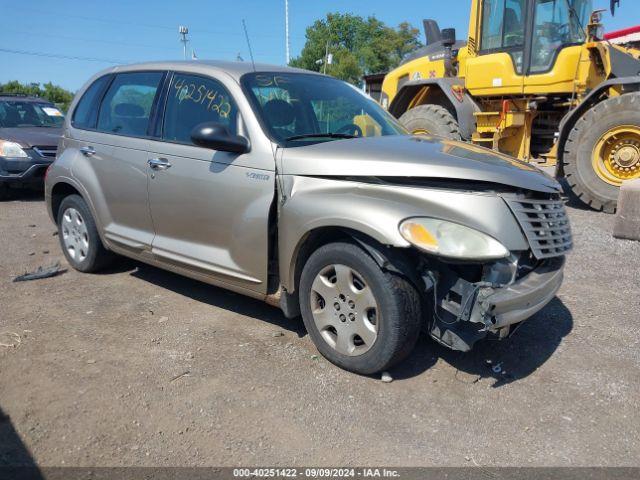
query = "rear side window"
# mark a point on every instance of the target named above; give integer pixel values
(126, 107)
(86, 113)
(194, 100)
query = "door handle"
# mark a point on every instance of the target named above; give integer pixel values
(88, 151)
(159, 164)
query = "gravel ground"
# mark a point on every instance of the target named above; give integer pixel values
(138, 366)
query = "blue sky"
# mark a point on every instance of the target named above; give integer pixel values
(119, 31)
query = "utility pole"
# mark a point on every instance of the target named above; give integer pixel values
(286, 28)
(184, 31)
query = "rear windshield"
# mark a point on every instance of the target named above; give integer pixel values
(17, 113)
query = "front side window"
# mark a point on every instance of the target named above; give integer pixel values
(298, 109)
(503, 28)
(194, 100)
(18, 113)
(126, 107)
(558, 23)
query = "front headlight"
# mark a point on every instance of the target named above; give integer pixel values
(11, 150)
(451, 240)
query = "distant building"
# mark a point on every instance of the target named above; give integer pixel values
(373, 85)
(627, 36)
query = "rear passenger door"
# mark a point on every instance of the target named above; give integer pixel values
(210, 208)
(116, 159)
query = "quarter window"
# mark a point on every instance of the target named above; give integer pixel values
(194, 100)
(126, 107)
(86, 113)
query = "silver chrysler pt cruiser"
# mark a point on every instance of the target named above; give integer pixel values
(297, 189)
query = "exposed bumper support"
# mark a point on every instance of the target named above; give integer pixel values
(484, 310)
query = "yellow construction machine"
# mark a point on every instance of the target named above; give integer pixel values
(535, 80)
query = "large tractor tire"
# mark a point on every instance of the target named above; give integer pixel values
(431, 119)
(603, 151)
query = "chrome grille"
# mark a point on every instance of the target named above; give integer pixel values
(545, 224)
(46, 151)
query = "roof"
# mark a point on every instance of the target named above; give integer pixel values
(22, 98)
(235, 69)
(622, 33)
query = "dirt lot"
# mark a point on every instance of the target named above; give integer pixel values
(100, 377)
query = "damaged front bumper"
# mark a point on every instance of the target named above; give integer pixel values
(467, 312)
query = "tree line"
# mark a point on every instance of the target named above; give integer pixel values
(359, 46)
(53, 93)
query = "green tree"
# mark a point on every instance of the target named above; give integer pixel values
(359, 46)
(53, 93)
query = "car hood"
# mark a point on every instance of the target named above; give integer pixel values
(421, 156)
(28, 137)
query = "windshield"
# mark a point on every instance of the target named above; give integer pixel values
(300, 109)
(17, 113)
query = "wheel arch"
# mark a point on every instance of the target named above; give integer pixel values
(446, 92)
(59, 192)
(387, 257)
(597, 95)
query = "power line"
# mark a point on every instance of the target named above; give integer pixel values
(136, 24)
(158, 47)
(65, 57)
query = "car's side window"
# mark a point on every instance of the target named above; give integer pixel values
(193, 100)
(126, 107)
(86, 113)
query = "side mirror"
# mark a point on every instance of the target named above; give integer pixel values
(614, 4)
(217, 137)
(449, 37)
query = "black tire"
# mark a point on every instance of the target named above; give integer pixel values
(97, 256)
(399, 319)
(4, 191)
(580, 145)
(433, 119)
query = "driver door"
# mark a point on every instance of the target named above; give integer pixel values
(210, 209)
(499, 67)
(556, 46)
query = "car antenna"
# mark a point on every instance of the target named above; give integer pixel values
(246, 34)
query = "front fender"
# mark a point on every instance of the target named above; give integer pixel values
(376, 210)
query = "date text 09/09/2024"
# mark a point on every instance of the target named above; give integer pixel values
(315, 473)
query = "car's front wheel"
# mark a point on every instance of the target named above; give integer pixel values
(79, 238)
(359, 316)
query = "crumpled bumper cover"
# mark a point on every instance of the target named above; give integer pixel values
(519, 301)
(493, 310)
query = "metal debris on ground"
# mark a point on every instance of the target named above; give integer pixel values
(278, 334)
(40, 273)
(184, 374)
(10, 339)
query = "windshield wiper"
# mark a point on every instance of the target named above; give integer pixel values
(320, 135)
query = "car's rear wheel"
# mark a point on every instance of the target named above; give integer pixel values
(79, 238)
(359, 316)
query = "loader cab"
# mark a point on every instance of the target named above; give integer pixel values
(525, 46)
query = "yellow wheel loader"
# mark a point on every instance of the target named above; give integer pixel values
(533, 80)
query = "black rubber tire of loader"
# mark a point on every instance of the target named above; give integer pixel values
(581, 142)
(434, 119)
